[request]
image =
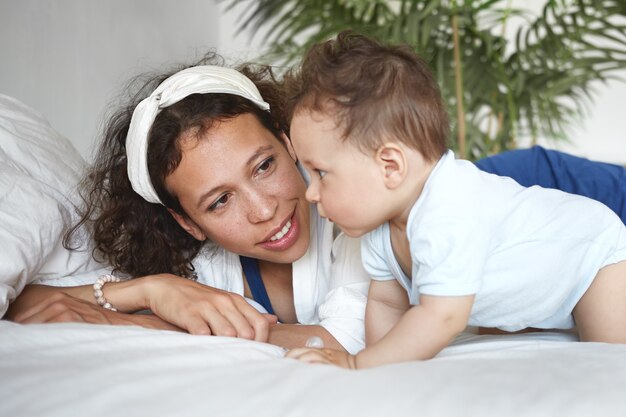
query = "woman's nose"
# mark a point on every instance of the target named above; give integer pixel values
(261, 207)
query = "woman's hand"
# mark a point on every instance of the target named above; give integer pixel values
(204, 310)
(324, 356)
(61, 307)
(177, 302)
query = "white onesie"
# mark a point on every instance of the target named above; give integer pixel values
(528, 254)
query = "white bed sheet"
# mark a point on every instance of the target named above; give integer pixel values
(89, 370)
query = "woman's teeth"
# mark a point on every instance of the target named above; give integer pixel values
(282, 232)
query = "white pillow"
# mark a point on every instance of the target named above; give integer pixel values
(39, 171)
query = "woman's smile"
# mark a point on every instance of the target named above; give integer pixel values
(286, 236)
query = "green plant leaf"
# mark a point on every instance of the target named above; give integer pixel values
(537, 83)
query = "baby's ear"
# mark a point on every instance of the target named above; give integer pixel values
(392, 162)
(188, 225)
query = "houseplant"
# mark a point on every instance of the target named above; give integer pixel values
(532, 82)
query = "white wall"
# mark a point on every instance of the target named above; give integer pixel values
(69, 58)
(602, 134)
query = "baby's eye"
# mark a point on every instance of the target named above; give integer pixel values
(220, 202)
(320, 173)
(265, 165)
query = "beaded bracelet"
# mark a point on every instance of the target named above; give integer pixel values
(97, 290)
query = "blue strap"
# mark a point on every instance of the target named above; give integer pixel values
(253, 276)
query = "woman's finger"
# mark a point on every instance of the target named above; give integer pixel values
(222, 313)
(68, 309)
(34, 313)
(215, 321)
(196, 325)
(271, 318)
(44, 315)
(244, 322)
(260, 323)
(67, 316)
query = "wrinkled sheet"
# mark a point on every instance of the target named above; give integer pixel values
(76, 369)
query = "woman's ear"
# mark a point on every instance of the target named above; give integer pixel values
(289, 146)
(392, 163)
(188, 225)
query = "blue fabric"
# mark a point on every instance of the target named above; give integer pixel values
(552, 169)
(255, 283)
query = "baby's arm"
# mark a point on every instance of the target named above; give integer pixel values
(422, 332)
(386, 303)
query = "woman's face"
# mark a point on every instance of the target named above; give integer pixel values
(240, 188)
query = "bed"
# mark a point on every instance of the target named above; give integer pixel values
(74, 369)
(78, 369)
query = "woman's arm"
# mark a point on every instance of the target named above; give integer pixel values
(34, 298)
(58, 307)
(292, 336)
(194, 307)
(45, 304)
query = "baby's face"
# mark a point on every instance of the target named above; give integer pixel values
(346, 184)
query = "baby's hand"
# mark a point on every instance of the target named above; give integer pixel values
(324, 356)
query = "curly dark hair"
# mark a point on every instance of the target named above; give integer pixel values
(141, 238)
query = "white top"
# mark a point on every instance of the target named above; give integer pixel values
(329, 283)
(528, 254)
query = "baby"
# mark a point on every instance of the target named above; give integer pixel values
(446, 245)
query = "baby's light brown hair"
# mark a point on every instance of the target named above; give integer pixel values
(375, 92)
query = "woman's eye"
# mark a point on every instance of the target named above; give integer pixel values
(219, 202)
(265, 165)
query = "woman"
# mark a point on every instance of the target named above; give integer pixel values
(216, 189)
(200, 170)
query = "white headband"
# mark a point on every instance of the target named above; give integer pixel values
(195, 80)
